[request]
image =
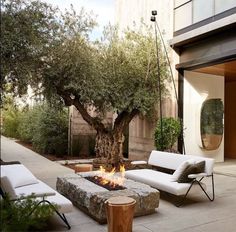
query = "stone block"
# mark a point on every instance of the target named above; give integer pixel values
(91, 198)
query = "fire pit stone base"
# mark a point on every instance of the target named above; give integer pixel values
(91, 198)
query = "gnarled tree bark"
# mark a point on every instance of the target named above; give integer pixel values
(109, 143)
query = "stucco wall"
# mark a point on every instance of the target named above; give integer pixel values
(199, 87)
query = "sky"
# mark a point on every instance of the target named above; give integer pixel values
(103, 9)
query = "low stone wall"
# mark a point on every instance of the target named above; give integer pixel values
(91, 198)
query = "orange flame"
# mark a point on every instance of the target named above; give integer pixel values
(112, 177)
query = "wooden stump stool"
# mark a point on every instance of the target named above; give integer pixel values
(120, 212)
(83, 167)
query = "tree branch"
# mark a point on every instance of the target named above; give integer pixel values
(92, 121)
(124, 118)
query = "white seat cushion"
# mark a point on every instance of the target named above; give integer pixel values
(26, 184)
(159, 180)
(64, 205)
(38, 189)
(18, 175)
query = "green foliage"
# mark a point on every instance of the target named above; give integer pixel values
(117, 73)
(114, 75)
(27, 125)
(45, 126)
(15, 215)
(11, 121)
(166, 138)
(53, 51)
(51, 131)
(28, 30)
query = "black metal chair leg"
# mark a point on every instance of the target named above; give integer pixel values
(213, 189)
(199, 183)
(185, 196)
(62, 216)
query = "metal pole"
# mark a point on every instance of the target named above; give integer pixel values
(153, 19)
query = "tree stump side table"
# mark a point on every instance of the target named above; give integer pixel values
(120, 212)
(83, 168)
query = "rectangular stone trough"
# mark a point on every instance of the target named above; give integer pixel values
(90, 197)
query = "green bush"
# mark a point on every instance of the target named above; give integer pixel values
(11, 122)
(27, 125)
(44, 126)
(51, 131)
(171, 130)
(15, 215)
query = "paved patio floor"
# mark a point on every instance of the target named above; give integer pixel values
(198, 215)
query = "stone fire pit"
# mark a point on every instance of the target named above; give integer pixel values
(91, 198)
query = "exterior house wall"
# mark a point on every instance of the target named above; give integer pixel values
(129, 14)
(199, 87)
(204, 37)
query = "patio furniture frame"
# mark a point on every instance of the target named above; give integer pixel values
(212, 198)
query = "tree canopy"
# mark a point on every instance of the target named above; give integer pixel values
(28, 29)
(43, 47)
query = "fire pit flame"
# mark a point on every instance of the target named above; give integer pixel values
(110, 177)
(109, 180)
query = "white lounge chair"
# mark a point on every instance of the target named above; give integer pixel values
(18, 182)
(167, 182)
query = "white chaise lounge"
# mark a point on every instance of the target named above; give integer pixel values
(167, 182)
(17, 181)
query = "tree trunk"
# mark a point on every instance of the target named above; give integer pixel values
(109, 148)
(109, 144)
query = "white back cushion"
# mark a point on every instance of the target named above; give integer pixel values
(173, 160)
(18, 175)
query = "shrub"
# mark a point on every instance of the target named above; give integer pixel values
(171, 130)
(11, 121)
(51, 131)
(27, 125)
(44, 126)
(15, 215)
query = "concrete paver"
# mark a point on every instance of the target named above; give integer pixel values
(197, 215)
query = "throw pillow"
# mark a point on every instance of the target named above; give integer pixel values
(179, 170)
(191, 169)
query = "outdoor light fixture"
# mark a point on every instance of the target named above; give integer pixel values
(153, 19)
(154, 12)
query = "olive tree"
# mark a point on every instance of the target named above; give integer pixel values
(117, 74)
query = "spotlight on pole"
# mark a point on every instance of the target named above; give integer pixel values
(154, 12)
(153, 19)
